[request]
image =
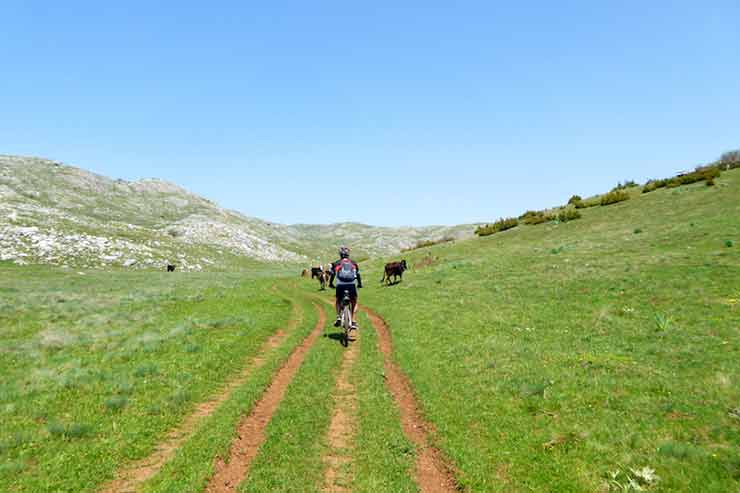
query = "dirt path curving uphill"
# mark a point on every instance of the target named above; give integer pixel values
(338, 461)
(251, 430)
(432, 474)
(129, 479)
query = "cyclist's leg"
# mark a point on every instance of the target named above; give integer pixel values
(353, 302)
(338, 306)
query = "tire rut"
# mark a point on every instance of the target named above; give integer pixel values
(251, 430)
(433, 474)
(340, 437)
(129, 479)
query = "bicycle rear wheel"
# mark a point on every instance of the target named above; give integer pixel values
(346, 325)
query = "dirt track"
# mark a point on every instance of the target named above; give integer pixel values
(342, 429)
(129, 479)
(251, 431)
(432, 474)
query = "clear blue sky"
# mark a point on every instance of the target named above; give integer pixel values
(389, 113)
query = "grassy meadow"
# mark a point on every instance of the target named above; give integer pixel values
(571, 356)
(97, 366)
(597, 354)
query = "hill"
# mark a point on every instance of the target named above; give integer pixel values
(571, 356)
(57, 214)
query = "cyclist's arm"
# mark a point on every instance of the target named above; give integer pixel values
(359, 277)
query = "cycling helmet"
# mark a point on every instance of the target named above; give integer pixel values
(343, 252)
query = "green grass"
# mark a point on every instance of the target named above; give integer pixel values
(96, 368)
(547, 372)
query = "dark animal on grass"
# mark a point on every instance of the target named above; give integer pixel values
(323, 280)
(316, 272)
(170, 268)
(394, 269)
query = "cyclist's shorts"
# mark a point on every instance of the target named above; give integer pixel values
(341, 288)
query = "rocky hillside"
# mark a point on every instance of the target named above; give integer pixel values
(57, 214)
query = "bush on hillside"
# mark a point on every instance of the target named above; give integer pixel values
(585, 204)
(574, 200)
(428, 243)
(528, 214)
(627, 184)
(536, 217)
(614, 197)
(498, 226)
(701, 173)
(568, 215)
(654, 185)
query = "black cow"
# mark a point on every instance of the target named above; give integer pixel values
(170, 268)
(394, 269)
(316, 272)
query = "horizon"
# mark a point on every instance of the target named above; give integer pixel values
(391, 116)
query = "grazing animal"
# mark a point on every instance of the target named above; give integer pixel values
(394, 269)
(304, 273)
(316, 272)
(170, 268)
(323, 279)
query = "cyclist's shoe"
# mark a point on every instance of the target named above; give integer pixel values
(353, 326)
(338, 322)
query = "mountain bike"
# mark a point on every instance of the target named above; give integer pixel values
(346, 318)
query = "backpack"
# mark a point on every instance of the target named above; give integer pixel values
(346, 271)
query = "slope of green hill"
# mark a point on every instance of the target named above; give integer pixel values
(572, 356)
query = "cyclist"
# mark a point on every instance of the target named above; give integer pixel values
(346, 271)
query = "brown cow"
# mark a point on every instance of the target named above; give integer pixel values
(304, 273)
(394, 269)
(323, 280)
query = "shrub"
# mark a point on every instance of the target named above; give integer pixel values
(428, 243)
(700, 174)
(538, 218)
(729, 243)
(614, 197)
(627, 184)
(568, 215)
(575, 199)
(498, 226)
(654, 185)
(637, 231)
(710, 182)
(586, 203)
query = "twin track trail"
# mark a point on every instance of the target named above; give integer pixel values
(432, 474)
(251, 430)
(129, 479)
(341, 433)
